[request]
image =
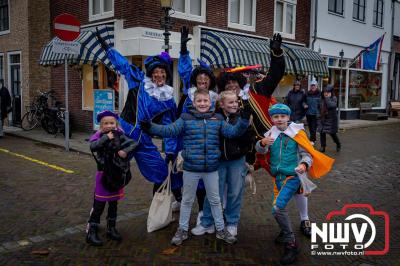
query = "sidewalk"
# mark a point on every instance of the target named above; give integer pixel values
(79, 140)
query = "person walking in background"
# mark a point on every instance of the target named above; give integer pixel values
(296, 100)
(328, 121)
(5, 105)
(313, 100)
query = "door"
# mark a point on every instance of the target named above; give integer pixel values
(15, 87)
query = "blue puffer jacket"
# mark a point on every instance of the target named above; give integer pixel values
(201, 138)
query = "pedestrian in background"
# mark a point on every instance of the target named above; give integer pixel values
(5, 105)
(313, 100)
(108, 142)
(328, 120)
(296, 100)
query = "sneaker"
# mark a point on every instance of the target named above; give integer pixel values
(179, 237)
(290, 254)
(279, 239)
(199, 218)
(312, 143)
(176, 206)
(199, 230)
(305, 227)
(232, 229)
(226, 236)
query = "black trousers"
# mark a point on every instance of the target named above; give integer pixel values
(335, 139)
(312, 126)
(98, 208)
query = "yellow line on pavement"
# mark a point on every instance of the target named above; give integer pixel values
(38, 161)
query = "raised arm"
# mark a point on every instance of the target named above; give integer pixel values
(185, 66)
(276, 70)
(132, 73)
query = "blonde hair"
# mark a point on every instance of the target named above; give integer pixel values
(225, 94)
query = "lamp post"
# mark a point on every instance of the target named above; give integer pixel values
(166, 22)
(341, 54)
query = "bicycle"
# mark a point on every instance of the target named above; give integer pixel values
(36, 111)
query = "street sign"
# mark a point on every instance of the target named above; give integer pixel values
(103, 100)
(62, 47)
(67, 27)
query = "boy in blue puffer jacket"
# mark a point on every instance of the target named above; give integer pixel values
(201, 129)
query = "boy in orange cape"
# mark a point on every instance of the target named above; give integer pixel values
(290, 153)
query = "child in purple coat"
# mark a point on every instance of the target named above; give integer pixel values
(108, 140)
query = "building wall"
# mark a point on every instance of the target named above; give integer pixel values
(39, 35)
(16, 41)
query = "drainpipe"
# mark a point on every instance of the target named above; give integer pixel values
(315, 24)
(390, 63)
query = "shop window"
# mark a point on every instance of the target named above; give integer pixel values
(365, 87)
(378, 13)
(4, 16)
(242, 14)
(190, 10)
(99, 9)
(335, 6)
(359, 10)
(335, 81)
(285, 18)
(97, 78)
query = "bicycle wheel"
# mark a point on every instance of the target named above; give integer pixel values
(48, 125)
(29, 120)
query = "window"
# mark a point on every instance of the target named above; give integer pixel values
(365, 87)
(378, 13)
(285, 18)
(190, 10)
(335, 6)
(242, 14)
(99, 9)
(95, 78)
(359, 10)
(4, 16)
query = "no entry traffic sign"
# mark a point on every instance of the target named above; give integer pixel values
(67, 27)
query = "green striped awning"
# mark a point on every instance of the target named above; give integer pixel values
(226, 50)
(307, 61)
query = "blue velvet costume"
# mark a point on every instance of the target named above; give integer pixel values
(146, 107)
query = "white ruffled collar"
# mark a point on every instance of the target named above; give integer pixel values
(291, 131)
(244, 93)
(163, 93)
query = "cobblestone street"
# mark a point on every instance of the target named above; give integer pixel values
(45, 208)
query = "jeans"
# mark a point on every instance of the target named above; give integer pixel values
(284, 189)
(312, 126)
(231, 175)
(190, 181)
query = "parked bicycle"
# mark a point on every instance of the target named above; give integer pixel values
(36, 111)
(52, 119)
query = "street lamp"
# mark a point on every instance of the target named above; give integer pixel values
(166, 22)
(341, 54)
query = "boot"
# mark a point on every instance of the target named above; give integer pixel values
(290, 253)
(112, 232)
(338, 147)
(305, 227)
(322, 149)
(92, 238)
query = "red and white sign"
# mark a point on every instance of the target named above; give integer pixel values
(67, 27)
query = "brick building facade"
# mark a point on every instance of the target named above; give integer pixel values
(133, 21)
(21, 41)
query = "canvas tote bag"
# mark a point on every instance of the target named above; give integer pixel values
(160, 212)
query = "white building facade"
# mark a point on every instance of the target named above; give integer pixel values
(351, 26)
